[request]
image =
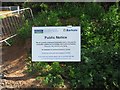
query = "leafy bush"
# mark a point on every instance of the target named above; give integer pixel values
(99, 67)
(46, 18)
(35, 6)
(25, 31)
(93, 10)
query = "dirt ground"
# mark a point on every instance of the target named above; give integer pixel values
(13, 66)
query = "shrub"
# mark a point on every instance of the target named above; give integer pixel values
(46, 18)
(25, 31)
(99, 67)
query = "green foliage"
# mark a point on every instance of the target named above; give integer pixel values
(25, 31)
(51, 74)
(93, 10)
(46, 18)
(35, 6)
(111, 25)
(99, 67)
(53, 78)
(68, 10)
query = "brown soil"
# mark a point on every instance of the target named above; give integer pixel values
(14, 65)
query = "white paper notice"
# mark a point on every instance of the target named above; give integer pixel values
(62, 44)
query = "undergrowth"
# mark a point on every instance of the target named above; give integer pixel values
(99, 66)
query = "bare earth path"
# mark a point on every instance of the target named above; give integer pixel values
(14, 65)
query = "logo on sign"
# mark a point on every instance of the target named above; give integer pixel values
(38, 31)
(68, 30)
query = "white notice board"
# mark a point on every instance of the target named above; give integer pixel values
(62, 44)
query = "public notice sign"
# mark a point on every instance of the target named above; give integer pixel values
(62, 44)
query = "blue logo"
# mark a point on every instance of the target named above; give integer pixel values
(68, 30)
(38, 31)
